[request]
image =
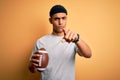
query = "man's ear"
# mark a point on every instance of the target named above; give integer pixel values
(50, 20)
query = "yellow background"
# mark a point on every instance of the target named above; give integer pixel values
(22, 22)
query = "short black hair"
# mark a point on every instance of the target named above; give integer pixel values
(57, 9)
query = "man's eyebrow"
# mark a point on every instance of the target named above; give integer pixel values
(64, 17)
(56, 18)
(60, 17)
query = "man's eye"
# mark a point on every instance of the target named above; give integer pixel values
(56, 18)
(64, 18)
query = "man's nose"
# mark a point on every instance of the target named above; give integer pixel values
(60, 21)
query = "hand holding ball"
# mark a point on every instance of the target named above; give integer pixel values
(43, 59)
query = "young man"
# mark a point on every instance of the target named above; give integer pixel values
(62, 45)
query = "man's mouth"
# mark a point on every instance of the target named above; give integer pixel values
(60, 27)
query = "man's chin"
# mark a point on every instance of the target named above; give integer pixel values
(60, 30)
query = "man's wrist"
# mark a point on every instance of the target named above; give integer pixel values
(77, 39)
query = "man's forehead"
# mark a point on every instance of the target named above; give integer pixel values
(60, 15)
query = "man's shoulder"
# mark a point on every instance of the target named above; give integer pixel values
(44, 37)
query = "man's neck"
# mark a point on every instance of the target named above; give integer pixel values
(58, 34)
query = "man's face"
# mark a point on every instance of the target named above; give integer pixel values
(59, 22)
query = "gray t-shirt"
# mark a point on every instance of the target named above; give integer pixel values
(61, 64)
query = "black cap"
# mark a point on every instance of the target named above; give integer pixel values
(57, 9)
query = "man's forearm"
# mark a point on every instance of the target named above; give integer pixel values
(31, 68)
(84, 49)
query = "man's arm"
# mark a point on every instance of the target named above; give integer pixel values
(31, 67)
(83, 49)
(33, 63)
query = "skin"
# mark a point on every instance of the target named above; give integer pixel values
(59, 21)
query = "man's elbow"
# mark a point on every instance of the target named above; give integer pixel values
(89, 55)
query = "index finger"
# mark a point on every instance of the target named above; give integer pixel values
(64, 31)
(63, 40)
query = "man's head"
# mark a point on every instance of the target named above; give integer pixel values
(58, 18)
(57, 9)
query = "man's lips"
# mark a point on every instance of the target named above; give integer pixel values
(60, 27)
